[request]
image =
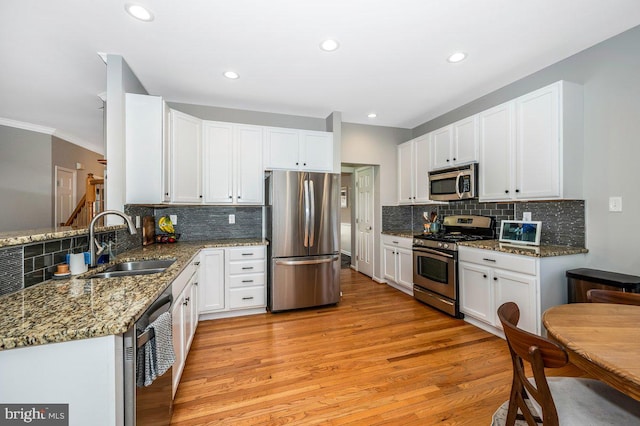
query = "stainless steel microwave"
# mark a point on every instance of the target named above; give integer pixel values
(455, 183)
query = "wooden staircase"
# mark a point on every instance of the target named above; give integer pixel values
(92, 203)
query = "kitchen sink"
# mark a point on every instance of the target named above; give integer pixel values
(137, 267)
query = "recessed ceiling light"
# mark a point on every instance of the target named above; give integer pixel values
(231, 74)
(457, 57)
(372, 115)
(139, 12)
(329, 45)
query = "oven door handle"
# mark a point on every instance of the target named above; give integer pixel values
(436, 252)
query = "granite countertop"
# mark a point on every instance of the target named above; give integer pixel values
(539, 251)
(14, 238)
(81, 308)
(403, 234)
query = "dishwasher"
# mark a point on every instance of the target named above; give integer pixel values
(153, 404)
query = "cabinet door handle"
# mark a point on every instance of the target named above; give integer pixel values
(230, 197)
(196, 283)
(247, 298)
(506, 191)
(495, 278)
(196, 263)
(484, 275)
(244, 268)
(489, 260)
(247, 281)
(304, 164)
(239, 196)
(454, 158)
(517, 190)
(447, 160)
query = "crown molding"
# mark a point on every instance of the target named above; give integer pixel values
(27, 126)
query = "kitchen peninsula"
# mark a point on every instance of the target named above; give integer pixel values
(61, 341)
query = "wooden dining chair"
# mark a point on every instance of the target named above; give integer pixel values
(555, 401)
(610, 296)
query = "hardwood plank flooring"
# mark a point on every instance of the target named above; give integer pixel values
(377, 358)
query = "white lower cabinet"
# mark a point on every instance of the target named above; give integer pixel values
(489, 278)
(184, 316)
(397, 262)
(212, 282)
(234, 279)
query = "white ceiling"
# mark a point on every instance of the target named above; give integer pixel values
(392, 58)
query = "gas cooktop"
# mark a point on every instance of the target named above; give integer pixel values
(456, 229)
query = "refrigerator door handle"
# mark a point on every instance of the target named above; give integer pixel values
(306, 262)
(306, 213)
(312, 219)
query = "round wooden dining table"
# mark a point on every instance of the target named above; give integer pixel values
(602, 339)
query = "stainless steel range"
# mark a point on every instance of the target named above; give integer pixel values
(435, 260)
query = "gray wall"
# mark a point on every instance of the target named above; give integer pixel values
(66, 154)
(257, 118)
(609, 74)
(25, 179)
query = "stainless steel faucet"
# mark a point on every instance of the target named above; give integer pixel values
(92, 225)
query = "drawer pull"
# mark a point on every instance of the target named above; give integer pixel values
(247, 254)
(247, 298)
(394, 242)
(489, 260)
(247, 281)
(244, 268)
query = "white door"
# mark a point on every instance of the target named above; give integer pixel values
(316, 150)
(217, 147)
(405, 173)
(364, 220)
(496, 137)
(441, 140)
(65, 194)
(421, 160)
(186, 157)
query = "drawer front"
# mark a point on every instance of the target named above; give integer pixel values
(392, 240)
(247, 253)
(246, 280)
(240, 298)
(248, 267)
(510, 262)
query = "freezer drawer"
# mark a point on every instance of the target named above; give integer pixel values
(303, 282)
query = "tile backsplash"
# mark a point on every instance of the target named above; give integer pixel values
(563, 222)
(196, 223)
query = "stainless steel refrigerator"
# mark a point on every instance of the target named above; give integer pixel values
(302, 226)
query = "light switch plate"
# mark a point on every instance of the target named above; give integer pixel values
(526, 216)
(174, 218)
(615, 204)
(232, 218)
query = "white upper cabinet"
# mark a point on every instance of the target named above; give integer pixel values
(531, 147)
(316, 150)
(455, 144)
(249, 169)
(538, 144)
(186, 158)
(495, 164)
(292, 149)
(413, 171)
(146, 148)
(233, 172)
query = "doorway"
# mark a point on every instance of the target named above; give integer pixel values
(65, 194)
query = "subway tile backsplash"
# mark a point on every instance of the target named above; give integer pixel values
(563, 222)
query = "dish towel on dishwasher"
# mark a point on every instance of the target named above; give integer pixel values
(157, 355)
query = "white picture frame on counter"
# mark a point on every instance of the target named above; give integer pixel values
(520, 232)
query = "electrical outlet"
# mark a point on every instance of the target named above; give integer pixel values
(232, 219)
(174, 218)
(526, 216)
(615, 204)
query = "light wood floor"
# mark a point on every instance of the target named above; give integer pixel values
(377, 358)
